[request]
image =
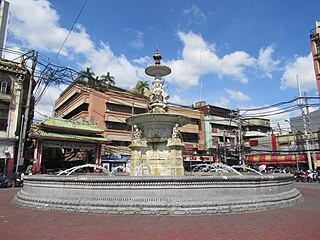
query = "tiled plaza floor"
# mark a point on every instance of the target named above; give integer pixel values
(299, 222)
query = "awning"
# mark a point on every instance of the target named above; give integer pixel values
(279, 159)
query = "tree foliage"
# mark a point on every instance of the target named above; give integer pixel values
(100, 84)
(140, 88)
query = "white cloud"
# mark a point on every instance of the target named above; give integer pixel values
(234, 65)
(13, 54)
(35, 24)
(177, 99)
(303, 67)
(137, 43)
(265, 61)
(237, 95)
(45, 107)
(47, 35)
(143, 61)
(199, 57)
(223, 102)
(197, 15)
(276, 115)
(103, 60)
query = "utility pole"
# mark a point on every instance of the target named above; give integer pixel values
(306, 138)
(239, 138)
(310, 131)
(224, 147)
(25, 116)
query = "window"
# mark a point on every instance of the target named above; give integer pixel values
(125, 109)
(118, 126)
(4, 112)
(119, 108)
(120, 143)
(194, 121)
(317, 42)
(5, 84)
(3, 87)
(139, 110)
(189, 137)
(82, 108)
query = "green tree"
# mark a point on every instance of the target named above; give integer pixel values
(107, 79)
(86, 76)
(140, 88)
(100, 84)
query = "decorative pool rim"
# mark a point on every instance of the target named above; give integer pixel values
(186, 195)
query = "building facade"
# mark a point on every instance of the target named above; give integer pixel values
(221, 133)
(14, 84)
(315, 49)
(109, 110)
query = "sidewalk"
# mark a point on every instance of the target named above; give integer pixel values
(298, 222)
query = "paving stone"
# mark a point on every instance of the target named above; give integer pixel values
(295, 223)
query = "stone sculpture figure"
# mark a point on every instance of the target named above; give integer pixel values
(175, 132)
(157, 94)
(136, 133)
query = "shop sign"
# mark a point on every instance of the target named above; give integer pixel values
(69, 145)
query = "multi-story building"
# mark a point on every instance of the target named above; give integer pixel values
(221, 133)
(109, 110)
(284, 149)
(310, 122)
(315, 49)
(305, 129)
(256, 130)
(14, 84)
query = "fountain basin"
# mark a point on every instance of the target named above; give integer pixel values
(183, 195)
(157, 125)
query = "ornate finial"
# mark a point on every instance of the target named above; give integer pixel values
(157, 57)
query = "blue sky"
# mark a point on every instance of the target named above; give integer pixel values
(233, 54)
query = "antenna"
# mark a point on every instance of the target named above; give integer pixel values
(299, 89)
(201, 85)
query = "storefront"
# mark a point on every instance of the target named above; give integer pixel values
(285, 159)
(61, 144)
(6, 158)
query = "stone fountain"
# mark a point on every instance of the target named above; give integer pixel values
(156, 144)
(158, 185)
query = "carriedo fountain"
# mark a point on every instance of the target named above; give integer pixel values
(158, 184)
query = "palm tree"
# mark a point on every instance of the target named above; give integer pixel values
(107, 79)
(100, 84)
(86, 76)
(140, 88)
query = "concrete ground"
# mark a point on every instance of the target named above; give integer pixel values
(299, 222)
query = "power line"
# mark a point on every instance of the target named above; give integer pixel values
(74, 23)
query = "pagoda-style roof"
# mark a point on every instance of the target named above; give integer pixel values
(67, 130)
(39, 133)
(61, 124)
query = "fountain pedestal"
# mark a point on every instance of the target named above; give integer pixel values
(158, 152)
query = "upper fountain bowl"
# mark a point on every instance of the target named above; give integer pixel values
(157, 125)
(158, 70)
